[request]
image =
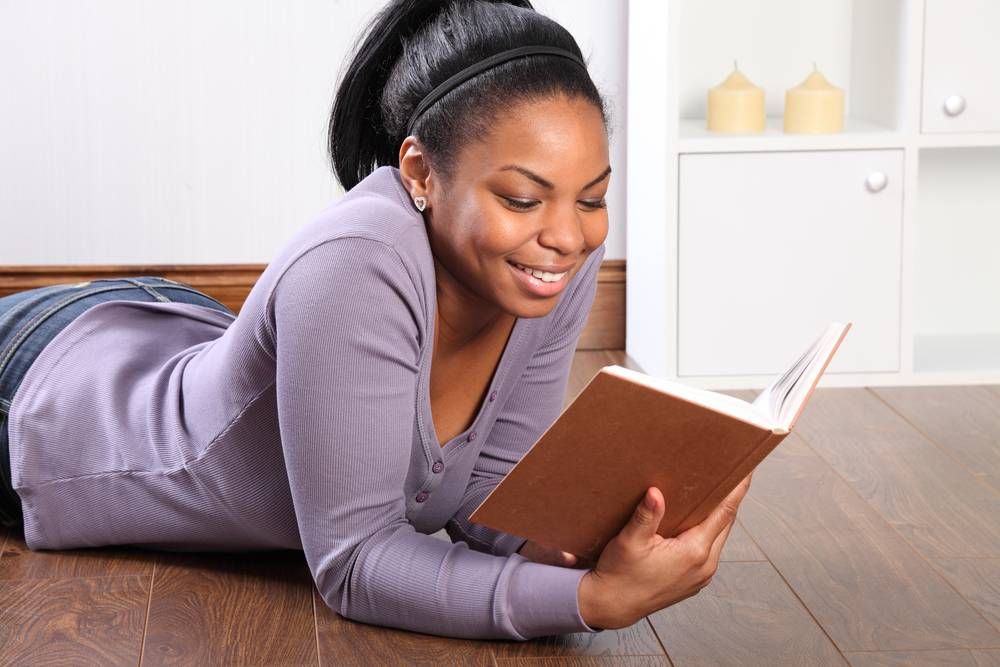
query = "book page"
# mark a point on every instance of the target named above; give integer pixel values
(722, 403)
(775, 406)
(784, 396)
(771, 398)
(799, 392)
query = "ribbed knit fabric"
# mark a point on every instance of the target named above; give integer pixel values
(305, 422)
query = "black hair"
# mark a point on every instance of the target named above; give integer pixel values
(410, 47)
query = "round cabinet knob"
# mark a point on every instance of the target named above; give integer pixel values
(954, 105)
(876, 181)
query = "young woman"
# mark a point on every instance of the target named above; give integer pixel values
(392, 363)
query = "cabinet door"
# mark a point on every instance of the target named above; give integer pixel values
(961, 53)
(773, 247)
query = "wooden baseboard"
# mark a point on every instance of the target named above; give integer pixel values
(230, 284)
(605, 328)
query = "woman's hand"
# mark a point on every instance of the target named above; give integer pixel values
(640, 572)
(547, 555)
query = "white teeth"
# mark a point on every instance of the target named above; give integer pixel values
(541, 275)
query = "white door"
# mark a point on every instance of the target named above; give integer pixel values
(773, 247)
(961, 57)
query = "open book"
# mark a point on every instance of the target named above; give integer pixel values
(578, 485)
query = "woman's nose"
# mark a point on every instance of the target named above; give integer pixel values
(563, 230)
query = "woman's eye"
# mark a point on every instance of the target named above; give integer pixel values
(529, 203)
(519, 203)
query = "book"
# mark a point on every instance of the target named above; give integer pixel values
(579, 483)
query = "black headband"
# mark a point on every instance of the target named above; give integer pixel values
(454, 80)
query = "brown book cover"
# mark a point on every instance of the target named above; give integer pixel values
(625, 431)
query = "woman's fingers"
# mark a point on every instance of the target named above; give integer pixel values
(550, 556)
(721, 517)
(716, 551)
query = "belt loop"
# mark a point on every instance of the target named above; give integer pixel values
(148, 289)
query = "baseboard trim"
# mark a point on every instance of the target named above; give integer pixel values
(231, 283)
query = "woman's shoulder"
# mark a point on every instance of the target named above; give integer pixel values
(375, 211)
(365, 245)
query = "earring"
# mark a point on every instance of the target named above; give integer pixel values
(420, 203)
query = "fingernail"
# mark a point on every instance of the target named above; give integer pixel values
(650, 501)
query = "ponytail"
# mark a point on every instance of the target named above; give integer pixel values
(357, 140)
(411, 46)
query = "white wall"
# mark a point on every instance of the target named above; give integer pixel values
(141, 131)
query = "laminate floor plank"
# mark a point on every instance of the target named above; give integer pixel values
(865, 585)
(589, 661)
(746, 616)
(740, 546)
(19, 562)
(947, 658)
(638, 639)
(343, 641)
(231, 609)
(72, 621)
(353, 644)
(964, 420)
(977, 580)
(986, 658)
(924, 493)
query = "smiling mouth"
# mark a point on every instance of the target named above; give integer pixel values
(545, 285)
(551, 268)
(545, 276)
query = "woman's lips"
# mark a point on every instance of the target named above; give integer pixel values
(537, 286)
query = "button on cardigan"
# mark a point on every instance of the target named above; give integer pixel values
(305, 423)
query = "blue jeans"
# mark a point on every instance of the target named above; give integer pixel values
(31, 318)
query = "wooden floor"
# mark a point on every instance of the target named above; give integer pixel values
(871, 536)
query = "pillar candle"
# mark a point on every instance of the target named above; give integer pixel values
(735, 105)
(815, 106)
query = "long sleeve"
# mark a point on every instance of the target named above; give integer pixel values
(347, 347)
(535, 402)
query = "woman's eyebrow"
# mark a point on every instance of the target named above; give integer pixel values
(547, 184)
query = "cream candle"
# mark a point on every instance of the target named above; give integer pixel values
(735, 105)
(815, 106)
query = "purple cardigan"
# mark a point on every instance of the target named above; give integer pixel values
(305, 423)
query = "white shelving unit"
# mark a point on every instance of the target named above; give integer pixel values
(742, 248)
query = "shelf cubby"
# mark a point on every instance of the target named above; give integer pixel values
(858, 45)
(956, 323)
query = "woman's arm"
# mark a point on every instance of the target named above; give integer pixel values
(347, 349)
(533, 404)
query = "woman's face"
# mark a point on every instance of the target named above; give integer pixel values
(530, 193)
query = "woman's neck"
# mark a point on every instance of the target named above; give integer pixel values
(462, 315)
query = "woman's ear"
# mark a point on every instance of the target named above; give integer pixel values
(413, 168)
